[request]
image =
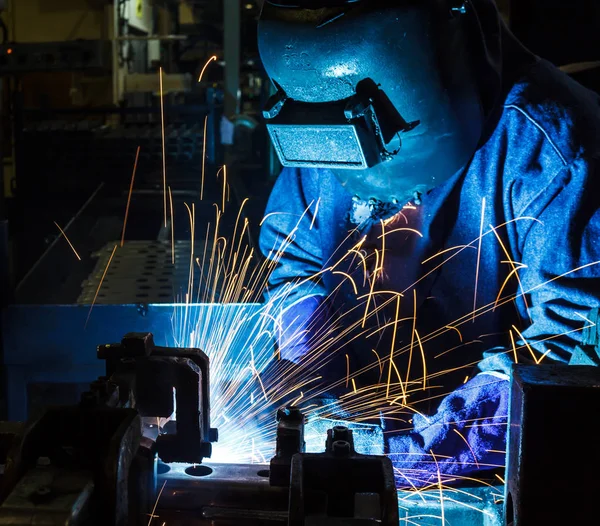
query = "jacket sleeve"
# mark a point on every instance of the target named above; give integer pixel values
(290, 235)
(560, 279)
(290, 239)
(467, 434)
(560, 289)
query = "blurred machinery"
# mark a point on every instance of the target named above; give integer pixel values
(81, 92)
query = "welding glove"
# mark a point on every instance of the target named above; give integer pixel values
(299, 326)
(301, 375)
(466, 435)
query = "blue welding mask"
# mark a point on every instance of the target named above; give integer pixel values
(383, 93)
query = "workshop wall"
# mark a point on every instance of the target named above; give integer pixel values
(58, 20)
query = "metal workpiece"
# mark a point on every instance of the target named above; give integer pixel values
(220, 494)
(552, 445)
(290, 440)
(139, 272)
(341, 486)
(169, 383)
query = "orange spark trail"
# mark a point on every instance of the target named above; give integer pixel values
(412, 338)
(424, 361)
(100, 285)
(478, 257)
(469, 446)
(510, 275)
(135, 163)
(211, 59)
(224, 187)
(455, 329)
(442, 252)
(524, 218)
(372, 291)
(387, 393)
(514, 347)
(348, 277)
(67, 240)
(526, 343)
(162, 125)
(440, 486)
(203, 158)
(156, 503)
(515, 269)
(347, 370)
(543, 356)
(172, 227)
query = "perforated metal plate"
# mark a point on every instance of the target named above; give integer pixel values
(140, 272)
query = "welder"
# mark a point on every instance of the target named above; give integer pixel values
(458, 170)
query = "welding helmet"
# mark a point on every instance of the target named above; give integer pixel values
(383, 93)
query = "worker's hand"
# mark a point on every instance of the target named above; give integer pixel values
(467, 434)
(300, 326)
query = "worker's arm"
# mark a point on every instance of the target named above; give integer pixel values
(560, 279)
(291, 237)
(560, 253)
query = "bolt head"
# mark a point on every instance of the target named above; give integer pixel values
(341, 448)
